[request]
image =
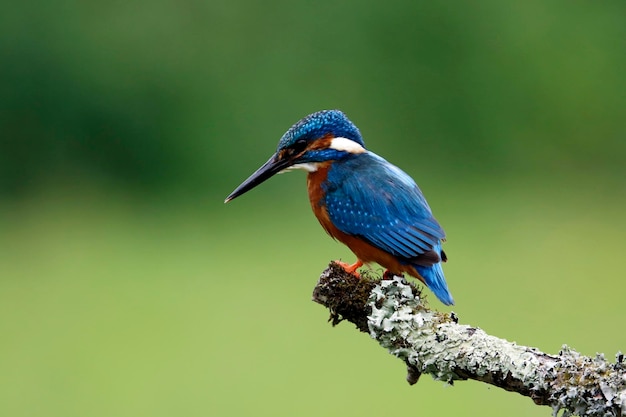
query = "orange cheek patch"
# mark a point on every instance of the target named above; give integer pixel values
(321, 143)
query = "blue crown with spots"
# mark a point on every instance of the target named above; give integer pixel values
(320, 124)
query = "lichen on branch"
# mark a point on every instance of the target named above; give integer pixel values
(394, 313)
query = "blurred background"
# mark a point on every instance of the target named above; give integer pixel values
(127, 287)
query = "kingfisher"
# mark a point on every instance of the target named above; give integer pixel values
(360, 199)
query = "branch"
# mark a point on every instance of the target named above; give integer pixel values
(394, 313)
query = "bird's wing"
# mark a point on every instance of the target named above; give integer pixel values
(373, 199)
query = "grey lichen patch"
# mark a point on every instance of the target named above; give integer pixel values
(433, 343)
(587, 386)
(399, 321)
(393, 312)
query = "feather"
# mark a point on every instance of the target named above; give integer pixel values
(368, 197)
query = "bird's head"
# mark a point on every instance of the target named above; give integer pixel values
(320, 137)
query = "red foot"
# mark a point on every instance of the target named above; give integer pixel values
(351, 269)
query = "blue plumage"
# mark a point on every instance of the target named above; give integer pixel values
(433, 276)
(369, 197)
(366, 196)
(362, 200)
(320, 124)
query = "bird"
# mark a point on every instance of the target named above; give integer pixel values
(360, 199)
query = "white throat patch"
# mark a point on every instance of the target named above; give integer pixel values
(346, 145)
(306, 166)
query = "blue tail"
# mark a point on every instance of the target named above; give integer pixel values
(433, 275)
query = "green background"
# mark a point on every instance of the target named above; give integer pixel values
(127, 288)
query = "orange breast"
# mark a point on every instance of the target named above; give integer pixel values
(365, 251)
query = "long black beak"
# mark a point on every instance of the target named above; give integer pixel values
(271, 167)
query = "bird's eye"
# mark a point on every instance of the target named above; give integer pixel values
(299, 146)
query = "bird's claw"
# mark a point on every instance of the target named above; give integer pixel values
(351, 269)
